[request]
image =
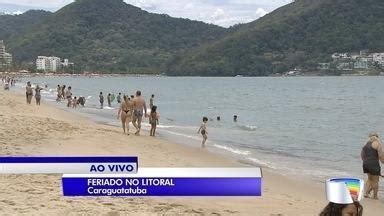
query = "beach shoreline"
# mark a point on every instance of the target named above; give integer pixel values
(47, 130)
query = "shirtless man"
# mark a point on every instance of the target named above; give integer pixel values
(138, 107)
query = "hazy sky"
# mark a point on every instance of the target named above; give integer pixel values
(220, 12)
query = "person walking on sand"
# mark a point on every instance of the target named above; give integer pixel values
(372, 154)
(101, 99)
(153, 120)
(125, 113)
(38, 95)
(109, 99)
(29, 92)
(138, 107)
(151, 101)
(203, 131)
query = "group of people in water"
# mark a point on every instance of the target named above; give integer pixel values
(8, 82)
(64, 93)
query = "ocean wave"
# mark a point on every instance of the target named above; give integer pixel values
(232, 150)
(183, 135)
(261, 163)
(247, 127)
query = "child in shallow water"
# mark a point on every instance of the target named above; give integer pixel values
(203, 131)
(153, 120)
(74, 102)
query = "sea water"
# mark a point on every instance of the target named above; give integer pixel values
(298, 125)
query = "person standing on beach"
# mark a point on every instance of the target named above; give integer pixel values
(138, 107)
(38, 95)
(29, 92)
(125, 113)
(153, 120)
(151, 101)
(101, 99)
(63, 92)
(109, 99)
(203, 131)
(118, 98)
(68, 95)
(372, 154)
(58, 93)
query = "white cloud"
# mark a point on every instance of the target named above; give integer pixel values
(219, 12)
(260, 12)
(11, 13)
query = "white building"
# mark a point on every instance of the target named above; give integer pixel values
(65, 63)
(40, 63)
(48, 64)
(379, 58)
(5, 58)
(336, 56)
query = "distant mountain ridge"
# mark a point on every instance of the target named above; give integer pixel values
(111, 36)
(19, 24)
(301, 34)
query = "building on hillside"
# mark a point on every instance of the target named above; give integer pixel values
(361, 63)
(41, 63)
(345, 66)
(337, 56)
(48, 64)
(378, 58)
(65, 63)
(324, 66)
(5, 58)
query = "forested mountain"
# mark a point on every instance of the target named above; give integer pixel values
(300, 34)
(111, 36)
(20, 24)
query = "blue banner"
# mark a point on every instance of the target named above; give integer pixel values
(91, 186)
(108, 159)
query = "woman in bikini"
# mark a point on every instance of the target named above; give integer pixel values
(125, 113)
(29, 92)
(203, 131)
(38, 95)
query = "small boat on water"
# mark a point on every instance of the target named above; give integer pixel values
(239, 75)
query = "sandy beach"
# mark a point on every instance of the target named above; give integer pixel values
(46, 130)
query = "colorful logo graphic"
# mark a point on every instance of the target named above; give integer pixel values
(344, 190)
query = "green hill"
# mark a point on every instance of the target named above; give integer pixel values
(300, 34)
(20, 24)
(111, 36)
